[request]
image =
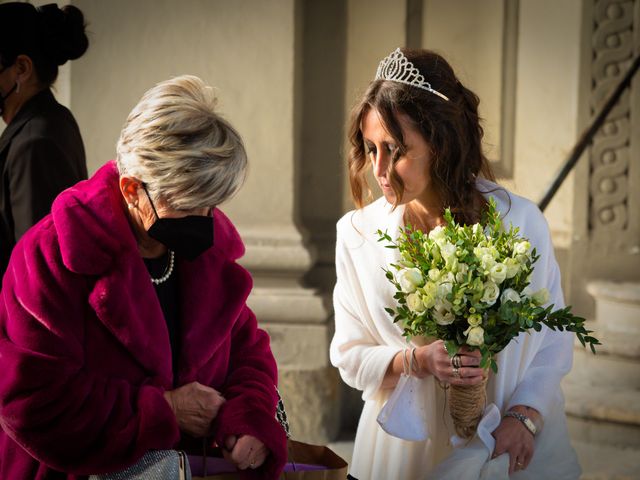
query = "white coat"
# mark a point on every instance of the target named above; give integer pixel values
(366, 340)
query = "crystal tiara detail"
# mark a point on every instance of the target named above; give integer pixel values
(397, 68)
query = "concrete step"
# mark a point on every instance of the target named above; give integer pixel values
(614, 343)
(607, 368)
(606, 416)
(617, 305)
(600, 462)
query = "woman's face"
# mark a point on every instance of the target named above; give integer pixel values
(148, 216)
(412, 167)
(136, 196)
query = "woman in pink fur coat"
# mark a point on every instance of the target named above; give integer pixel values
(123, 323)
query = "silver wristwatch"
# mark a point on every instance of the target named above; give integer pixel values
(526, 421)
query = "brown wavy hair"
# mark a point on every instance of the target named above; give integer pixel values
(451, 128)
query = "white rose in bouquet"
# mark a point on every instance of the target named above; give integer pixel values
(540, 297)
(498, 273)
(491, 292)
(415, 303)
(510, 295)
(410, 279)
(475, 336)
(442, 312)
(513, 267)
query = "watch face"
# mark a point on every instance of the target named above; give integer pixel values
(530, 425)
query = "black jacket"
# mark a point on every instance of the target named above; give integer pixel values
(41, 154)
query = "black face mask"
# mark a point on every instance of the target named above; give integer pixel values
(188, 236)
(4, 97)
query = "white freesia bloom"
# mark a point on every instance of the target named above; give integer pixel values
(510, 295)
(498, 273)
(442, 312)
(414, 302)
(475, 336)
(477, 229)
(410, 279)
(540, 297)
(491, 292)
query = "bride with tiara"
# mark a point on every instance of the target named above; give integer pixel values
(418, 128)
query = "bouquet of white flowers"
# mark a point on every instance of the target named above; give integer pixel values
(469, 285)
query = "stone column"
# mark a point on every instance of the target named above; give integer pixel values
(607, 181)
(604, 258)
(253, 52)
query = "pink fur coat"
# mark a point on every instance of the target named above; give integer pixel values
(84, 348)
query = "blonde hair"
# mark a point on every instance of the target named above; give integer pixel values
(175, 142)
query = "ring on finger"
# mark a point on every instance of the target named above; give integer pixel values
(519, 464)
(457, 360)
(456, 372)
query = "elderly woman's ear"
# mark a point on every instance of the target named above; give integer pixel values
(129, 188)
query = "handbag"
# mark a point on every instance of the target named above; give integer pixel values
(305, 461)
(404, 415)
(154, 465)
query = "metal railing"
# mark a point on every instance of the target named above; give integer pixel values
(587, 135)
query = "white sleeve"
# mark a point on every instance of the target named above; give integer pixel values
(360, 358)
(540, 384)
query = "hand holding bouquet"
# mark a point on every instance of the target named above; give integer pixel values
(469, 285)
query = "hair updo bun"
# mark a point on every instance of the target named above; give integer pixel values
(63, 33)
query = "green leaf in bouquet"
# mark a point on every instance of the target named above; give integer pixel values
(494, 366)
(390, 311)
(452, 347)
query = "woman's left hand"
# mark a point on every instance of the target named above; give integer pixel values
(512, 437)
(245, 451)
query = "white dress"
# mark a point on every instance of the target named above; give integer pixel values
(530, 368)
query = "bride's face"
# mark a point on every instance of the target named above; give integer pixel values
(412, 167)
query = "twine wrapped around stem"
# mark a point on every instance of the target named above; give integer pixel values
(466, 404)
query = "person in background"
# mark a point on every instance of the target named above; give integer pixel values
(417, 128)
(41, 150)
(124, 326)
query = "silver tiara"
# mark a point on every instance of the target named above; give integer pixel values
(397, 68)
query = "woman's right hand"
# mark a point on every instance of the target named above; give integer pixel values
(195, 406)
(433, 359)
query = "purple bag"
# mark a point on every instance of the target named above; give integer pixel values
(306, 462)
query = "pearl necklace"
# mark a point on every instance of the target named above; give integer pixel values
(168, 272)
